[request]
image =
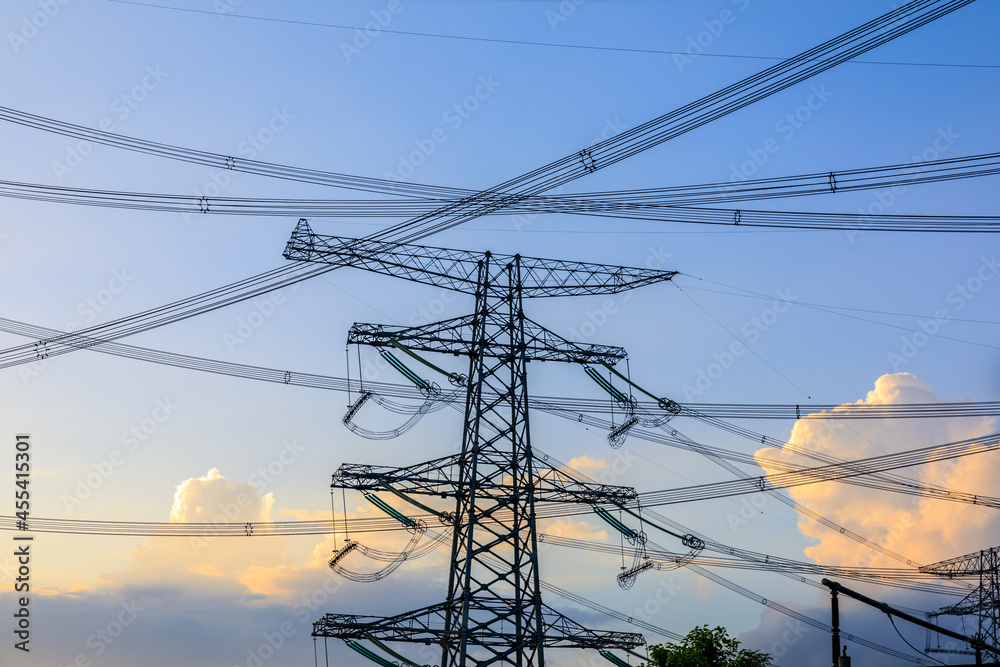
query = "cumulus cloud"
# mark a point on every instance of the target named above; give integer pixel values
(588, 463)
(234, 600)
(924, 530)
(215, 562)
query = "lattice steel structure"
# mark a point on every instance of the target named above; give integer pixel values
(493, 613)
(983, 602)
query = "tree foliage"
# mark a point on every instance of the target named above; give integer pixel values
(703, 647)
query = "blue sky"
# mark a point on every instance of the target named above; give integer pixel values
(298, 91)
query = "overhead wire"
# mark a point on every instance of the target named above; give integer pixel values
(567, 408)
(783, 480)
(956, 409)
(671, 204)
(605, 153)
(521, 42)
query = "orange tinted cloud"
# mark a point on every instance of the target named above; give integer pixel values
(921, 529)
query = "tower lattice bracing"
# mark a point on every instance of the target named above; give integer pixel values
(983, 602)
(493, 613)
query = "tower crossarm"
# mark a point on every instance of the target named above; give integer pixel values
(436, 478)
(555, 485)
(428, 625)
(455, 336)
(433, 477)
(976, 563)
(459, 270)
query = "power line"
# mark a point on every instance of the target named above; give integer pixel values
(748, 294)
(521, 42)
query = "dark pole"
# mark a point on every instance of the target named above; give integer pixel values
(835, 625)
(977, 644)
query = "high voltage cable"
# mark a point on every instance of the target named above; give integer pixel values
(227, 162)
(787, 611)
(646, 499)
(309, 527)
(886, 481)
(748, 294)
(656, 204)
(880, 481)
(749, 560)
(691, 116)
(610, 151)
(631, 620)
(784, 480)
(759, 562)
(564, 408)
(549, 403)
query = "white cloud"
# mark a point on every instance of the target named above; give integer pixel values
(922, 529)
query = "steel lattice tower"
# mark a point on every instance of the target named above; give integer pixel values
(493, 602)
(983, 602)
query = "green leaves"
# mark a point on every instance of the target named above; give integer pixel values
(704, 647)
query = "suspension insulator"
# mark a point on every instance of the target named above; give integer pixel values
(627, 578)
(353, 410)
(339, 555)
(616, 438)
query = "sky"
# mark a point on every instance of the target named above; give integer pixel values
(818, 317)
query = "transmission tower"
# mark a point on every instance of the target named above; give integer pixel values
(493, 613)
(983, 602)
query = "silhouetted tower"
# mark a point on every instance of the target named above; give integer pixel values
(983, 602)
(493, 603)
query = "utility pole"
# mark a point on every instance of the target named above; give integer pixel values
(492, 614)
(977, 644)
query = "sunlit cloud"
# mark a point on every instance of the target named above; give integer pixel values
(922, 529)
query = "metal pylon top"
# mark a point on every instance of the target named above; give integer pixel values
(459, 269)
